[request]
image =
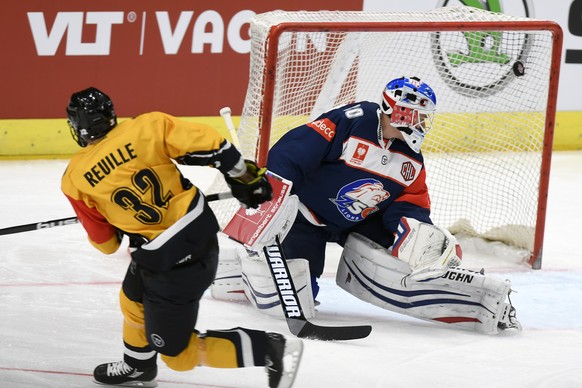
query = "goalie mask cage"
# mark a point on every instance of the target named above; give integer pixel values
(495, 77)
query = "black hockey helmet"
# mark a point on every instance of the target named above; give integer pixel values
(91, 115)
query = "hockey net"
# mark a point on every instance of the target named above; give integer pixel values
(495, 77)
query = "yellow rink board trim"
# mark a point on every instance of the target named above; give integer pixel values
(50, 138)
(485, 132)
(568, 131)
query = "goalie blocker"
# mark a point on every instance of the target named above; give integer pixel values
(460, 298)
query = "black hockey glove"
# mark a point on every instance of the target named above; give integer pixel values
(254, 192)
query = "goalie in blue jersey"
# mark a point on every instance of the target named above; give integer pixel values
(359, 169)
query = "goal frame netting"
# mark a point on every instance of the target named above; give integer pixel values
(268, 71)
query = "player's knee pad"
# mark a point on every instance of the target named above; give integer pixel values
(460, 298)
(260, 289)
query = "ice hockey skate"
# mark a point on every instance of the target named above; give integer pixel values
(282, 360)
(508, 321)
(120, 374)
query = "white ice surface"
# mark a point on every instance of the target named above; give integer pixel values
(59, 314)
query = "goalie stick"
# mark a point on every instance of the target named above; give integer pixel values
(298, 324)
(75, 220)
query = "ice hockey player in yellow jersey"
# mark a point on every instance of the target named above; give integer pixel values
(124, 181)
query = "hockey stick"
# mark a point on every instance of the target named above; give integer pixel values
(39, 225)
(225, 113)
(75, 220)
(298, 324)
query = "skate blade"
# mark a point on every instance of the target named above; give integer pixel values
(291, 359)
(139, 384)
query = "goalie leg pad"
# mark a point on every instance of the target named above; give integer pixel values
(260, 289)
(460, 298)
(228, 284)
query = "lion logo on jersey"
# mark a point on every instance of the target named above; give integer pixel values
(358, 199)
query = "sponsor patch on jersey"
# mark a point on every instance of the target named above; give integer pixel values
(358, 199)
(360, 153)
(325, 127)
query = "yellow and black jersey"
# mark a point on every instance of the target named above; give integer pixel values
(127, 181)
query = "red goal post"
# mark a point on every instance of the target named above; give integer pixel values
(495, 76)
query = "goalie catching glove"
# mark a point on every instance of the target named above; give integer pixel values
(428, 249)
(251, 188)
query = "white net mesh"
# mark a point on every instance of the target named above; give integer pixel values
(484, 153)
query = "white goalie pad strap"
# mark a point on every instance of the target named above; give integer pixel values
(428, 249)
(460, 298)
(258, 227)
(260, 289)
(228, 284)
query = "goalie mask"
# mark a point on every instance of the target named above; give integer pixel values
(91, 116)
(411, 104)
